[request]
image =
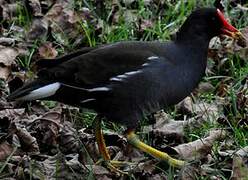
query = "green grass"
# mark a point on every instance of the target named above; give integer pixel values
(165, 22)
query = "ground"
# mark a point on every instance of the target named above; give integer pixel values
(50, 140)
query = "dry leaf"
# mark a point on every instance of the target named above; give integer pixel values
(47, 51)
(36, 7)
(209, 111)
(9, 10)
(7, 58)
(6, 41)
(67, 139)
(239, 169)
(5, 150)
(46, 130)
(185, 106)
(62, 20)
(12, 114)
(38, 29)
(54, 167)
(166, 128)
(28, 143)
(205, 87)
(190, 172)
(200, 148)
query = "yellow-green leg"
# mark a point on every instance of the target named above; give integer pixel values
(103, 150)
(134, 140)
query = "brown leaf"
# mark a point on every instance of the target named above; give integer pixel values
(9, 10)
(7, 58)
(239, 169)
(5, 150)
(243, 40)
(4, 73)
(169, 129)
(7, 55)
(200, 148)
(145, 24)
(185, 106)
(28, 143)
(208, 111)
(62, 20)
(147, 167)
(54, 167)
(67, 139)
(242, 152)
(205, 87)
(166, 128)
(12, 114)
(7, 41)
(46, 130)
(190, 171)
(47, 51)
(36, 7)
(38, 29)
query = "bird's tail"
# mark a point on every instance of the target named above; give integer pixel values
(73, 95)
(34, 90)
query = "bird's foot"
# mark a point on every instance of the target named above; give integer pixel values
(133, 139)
(114, 165)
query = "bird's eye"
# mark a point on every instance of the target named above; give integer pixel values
(213, 18)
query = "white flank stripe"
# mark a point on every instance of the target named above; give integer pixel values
(152, 57)
(125, 75)
(115, 79)
(42, 92)
(121, 76)
(99, 89)
(132, 72)
(145, 64)
(88, 100)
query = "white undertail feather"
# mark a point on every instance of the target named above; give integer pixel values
(99, 89)
(41, 92)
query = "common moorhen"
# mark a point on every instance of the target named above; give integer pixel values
(126, 80)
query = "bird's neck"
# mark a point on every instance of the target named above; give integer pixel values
(198, 41)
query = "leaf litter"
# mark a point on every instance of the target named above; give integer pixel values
(47, 137)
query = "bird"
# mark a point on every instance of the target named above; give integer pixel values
(124, 81)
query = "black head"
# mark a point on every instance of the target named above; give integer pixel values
(205, 23)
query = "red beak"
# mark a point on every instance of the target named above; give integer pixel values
(227, 28)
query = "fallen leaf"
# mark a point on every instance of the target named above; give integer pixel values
(4, 73)
(63, 19)
(166, 128)
(28, 142)
(169, 130)
(46, 131)
(12, 114)
(239, 169)
(67, 139)
(7, 55)
(47, 51)
(58, 166)
(243, 40)
(38, 29)
(7, 41)
(205, 87)
(7, 58)
(5, 150)
(36, 7)
(209, 111)
(200, 148)
(190, 172)
(9, 10)
(185, 106)
(242, 152)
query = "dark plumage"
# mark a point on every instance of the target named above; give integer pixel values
(125, 80)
